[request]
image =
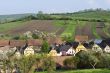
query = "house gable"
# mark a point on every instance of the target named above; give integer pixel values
(107, 49)
(53, 52)
(96, 48)
(29, 51)
(71, 51)
(80, 47)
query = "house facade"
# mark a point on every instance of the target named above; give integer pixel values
(53, 53)
(67, 50)
(71, 51)
(36, 43)
(29, 51)
(96, 48)
(80, 48)
(107, 49)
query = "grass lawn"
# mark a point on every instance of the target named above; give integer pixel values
(8, 26)
(83, 71)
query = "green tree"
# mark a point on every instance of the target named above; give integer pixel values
(34, 36)
(71, 63)
(42, 16)
(16, 37)
(49, 65)
(93, 60)
(45, 47)
(25, 63)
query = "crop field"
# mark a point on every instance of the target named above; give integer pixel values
(59, 27)
(100, 32)
(8, 26)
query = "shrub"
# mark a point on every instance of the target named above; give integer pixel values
(71, 63)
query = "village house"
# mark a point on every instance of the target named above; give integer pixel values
(81, 38)
(67, 50)
(57, 41)
(4, 43)
(5, 48)
(87, 45)
(53, 53)
(80, 48)
(107, 42)
(107, 49)
(36, 44)
(19, 45)
(96, 48)
(29, 51)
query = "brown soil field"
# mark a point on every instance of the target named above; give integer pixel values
(78, 30)
(41, 25)
(85, 30)
(61, 30)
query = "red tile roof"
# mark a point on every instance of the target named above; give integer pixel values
(17, 43)
(81, 38)
(35, 42)
(54, 40)
(4, 43)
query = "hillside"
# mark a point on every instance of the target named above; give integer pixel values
(62, 27)
(97, 14)
(14, 16)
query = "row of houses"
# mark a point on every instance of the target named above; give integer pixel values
(22, 47)
(72, 48)
(19, 47)
(58, 47)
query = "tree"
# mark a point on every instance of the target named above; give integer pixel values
(71, 63)
(93, 60)
(104, 61)
(45, 47)
(34, 36)
(49, 65)
(42, 16)
(88, 58)
(83, 59)
(16, 37)
(25, 63)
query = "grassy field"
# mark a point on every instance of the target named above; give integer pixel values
(106, 29)
(11, 25)
(60, 27)
(83, 71)
(94, 31)
(70, 29)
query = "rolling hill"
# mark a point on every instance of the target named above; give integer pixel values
(62, 27)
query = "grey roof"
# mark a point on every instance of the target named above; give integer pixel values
(65, 48)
